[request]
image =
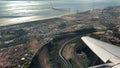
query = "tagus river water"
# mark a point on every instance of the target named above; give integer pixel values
(13, 12)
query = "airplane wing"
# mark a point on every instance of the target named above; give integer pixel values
(103, 50)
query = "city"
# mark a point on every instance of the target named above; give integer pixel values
(20, 43)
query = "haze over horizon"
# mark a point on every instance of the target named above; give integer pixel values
(63, 0)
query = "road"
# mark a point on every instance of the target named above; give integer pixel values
(67, 64)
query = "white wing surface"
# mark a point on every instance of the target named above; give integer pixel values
(103, 50)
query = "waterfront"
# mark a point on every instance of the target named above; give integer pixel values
(13, 12)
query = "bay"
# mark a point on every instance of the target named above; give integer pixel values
(13, 12)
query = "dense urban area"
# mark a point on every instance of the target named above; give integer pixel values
(22, 44)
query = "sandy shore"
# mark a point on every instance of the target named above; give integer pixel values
(12, 21)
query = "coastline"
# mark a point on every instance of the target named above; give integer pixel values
(32, 19)
(11, 23)
(17, 21)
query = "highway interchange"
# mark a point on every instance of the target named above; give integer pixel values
(67, 63)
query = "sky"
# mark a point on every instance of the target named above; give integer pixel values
(83, 1)
(63, 0)
(56, 0)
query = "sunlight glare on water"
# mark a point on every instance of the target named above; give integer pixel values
(22, 10)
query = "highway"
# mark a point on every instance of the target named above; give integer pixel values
(67, 63)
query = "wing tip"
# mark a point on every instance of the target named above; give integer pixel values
(84, 37)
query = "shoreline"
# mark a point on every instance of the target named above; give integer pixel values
(22, 20)
(37, 18)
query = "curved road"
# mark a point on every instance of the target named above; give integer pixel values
(67, 64)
